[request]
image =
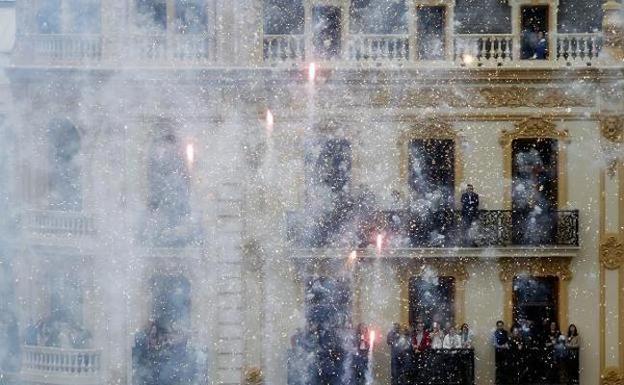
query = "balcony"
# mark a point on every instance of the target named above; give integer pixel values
(445, 229)
(469, 50)
(48, 222)
(59, 366)
(98, 50)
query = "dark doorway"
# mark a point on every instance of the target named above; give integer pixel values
(535, 300)
(327, 32)
(534, 190)
(534, 33)
(432, 183)
(431, 33)
(334, 164)
(171, 302)
(432, 300)
(328, 303)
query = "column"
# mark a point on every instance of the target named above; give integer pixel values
(412, 20)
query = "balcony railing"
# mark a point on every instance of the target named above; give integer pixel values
(58, 223)
(284, 48)
(47, 365)
(535, 366)
(445, 228)
(63, 48)
(378, 48)
(159, 49)
(484, 49)
(578, 47)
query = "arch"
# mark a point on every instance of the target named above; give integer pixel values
(65, 185)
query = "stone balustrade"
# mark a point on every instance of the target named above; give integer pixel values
(489, 49)
(58, 222)
(582, 48)
(378, 48)
(284, 48)
(41, 364)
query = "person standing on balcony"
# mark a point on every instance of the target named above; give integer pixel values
(393, 342)
(541, 47)
(452, 340)
(470, 209)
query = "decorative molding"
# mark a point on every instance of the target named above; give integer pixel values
(613, 30)
(612, 253)
(612, 128)
(429, 129)
(534, 127)
(491, 97)
(611, 376)
(538, 267)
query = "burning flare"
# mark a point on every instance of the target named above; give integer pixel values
(312, 72)
(269, 122)
(190, 153)
(371, 338)
(379, 242)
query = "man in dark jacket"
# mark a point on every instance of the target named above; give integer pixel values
(470, 208)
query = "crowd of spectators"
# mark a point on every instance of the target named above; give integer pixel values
(419, 355)
(531, 353)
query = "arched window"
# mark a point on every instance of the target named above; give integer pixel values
(65, 185)
(168, 181)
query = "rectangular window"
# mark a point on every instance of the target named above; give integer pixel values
(84, 16)
(49, 17)
(431, 31)
(327, 32)
(283, 17)
(152, 12)
(190, 16)
(535, 299)
(533, 42)
(432, 300)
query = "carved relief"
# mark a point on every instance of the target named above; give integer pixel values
(611, 376)
(538, 267)
(612, 128)
(611, 253)
(534, 127)
(495, 97)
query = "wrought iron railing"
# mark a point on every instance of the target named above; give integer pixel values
(444, 228)
(535, 366)
(435, 366)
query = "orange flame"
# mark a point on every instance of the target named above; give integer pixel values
(269, 122)
(312, 72)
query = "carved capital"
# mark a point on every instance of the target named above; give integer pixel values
(538, 267)
(613, 29)
(533, 127)
(254, 376)
(611, 376)
(612, 128)
(611, 253)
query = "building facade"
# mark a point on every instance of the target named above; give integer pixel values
(195, 168)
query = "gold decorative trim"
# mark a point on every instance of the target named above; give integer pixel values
(612, 128)
(611, 376)
(612, 253)
(536, 128)
(429, 129)
(537, 267)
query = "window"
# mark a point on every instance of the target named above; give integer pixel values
(66, 298)
(431, 32)
(534, 190)
(168, 181)
(535, 300)
(171, 302)
(327, 30)
(378, 17)
(432, 169)
(431, 300)
(183, 16)
(334, 164)
(534, 43)
(328, 303)
(68, 16)
(283, 17)
(65, 174)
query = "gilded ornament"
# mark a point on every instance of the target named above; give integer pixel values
(539, 267)
(611, 376)
(611, 253)
(533, 127)
(612, 128)
(254, 376)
